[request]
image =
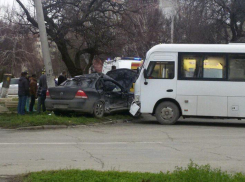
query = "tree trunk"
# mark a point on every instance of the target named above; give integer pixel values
(5, 86)
(233, 27)
(73, 70)
(13, 60)
(77, 60)
(90, 63)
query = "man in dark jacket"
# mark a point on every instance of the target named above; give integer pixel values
(62, 78)
(33, 91)
(23, 92)
(43, 87)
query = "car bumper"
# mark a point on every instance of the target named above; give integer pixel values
(135, 108)
(78, 105)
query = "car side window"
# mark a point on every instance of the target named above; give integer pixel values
(69, 83)
(109, 86)
(99, 85)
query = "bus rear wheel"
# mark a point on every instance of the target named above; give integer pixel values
(167, 113)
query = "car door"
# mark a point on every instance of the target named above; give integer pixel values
(114, 95)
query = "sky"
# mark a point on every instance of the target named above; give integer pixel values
(11, 2)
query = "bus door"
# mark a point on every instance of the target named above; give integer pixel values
(134, 66)
(160, 82)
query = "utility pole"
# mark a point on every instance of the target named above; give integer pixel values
(172, 29)
(168, 8)
(44, 43)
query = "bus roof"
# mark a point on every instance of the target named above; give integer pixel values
(211, 48)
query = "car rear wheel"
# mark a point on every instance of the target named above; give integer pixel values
(167, 113)
(99, 109)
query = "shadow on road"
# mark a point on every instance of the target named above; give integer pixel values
(224, 123)
(149, 120)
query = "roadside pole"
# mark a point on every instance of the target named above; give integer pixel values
(44, 43)
(172, 29)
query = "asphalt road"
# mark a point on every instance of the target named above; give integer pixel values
(140, 146)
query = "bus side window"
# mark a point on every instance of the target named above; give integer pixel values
(161, 70)
(214, 67)
(236, 70)
(191, 66)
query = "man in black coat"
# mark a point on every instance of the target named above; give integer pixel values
(42, 89)
(23, 92)
(62, 78)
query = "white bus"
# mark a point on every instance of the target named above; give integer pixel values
(192, 81)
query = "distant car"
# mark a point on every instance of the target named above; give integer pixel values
(93, 93)
(13, 88)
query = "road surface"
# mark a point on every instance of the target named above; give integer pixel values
(140, 146)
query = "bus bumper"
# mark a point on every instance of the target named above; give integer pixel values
(134, 108)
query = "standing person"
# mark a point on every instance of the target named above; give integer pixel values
(42, 92)
(28, 96)
(56, 81)
(33, 91)
(62, 78)
(23, 91)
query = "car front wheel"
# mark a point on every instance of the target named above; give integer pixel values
(167, 113)
(99, 109)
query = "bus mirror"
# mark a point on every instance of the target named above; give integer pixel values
(145, 73)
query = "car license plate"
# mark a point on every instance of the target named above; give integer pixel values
(134, 109)
(60, 106)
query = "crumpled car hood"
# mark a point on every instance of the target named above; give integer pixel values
(125, 77)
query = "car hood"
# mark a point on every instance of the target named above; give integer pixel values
(125, 77)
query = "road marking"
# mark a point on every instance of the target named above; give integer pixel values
(83, 143)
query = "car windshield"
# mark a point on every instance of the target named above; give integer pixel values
(80, 83)
(14, 81)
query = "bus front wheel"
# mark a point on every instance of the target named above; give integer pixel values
(167, 113)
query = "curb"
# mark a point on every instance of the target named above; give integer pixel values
(53, 127)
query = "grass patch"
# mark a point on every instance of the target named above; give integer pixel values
(15, 121)
(192, 173)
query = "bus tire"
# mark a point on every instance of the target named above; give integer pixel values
(167, 113)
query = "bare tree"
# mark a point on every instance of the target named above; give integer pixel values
(143, 27)
(17, 49)
(79, 27)
(210, 21)
(231, 14)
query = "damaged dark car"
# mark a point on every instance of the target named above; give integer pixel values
(96, 93)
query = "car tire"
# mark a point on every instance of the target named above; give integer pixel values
(167, 113)
(99, 109)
